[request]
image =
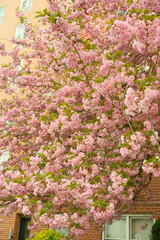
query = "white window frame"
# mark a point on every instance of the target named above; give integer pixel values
(4, 156)
(128, 228)
(22, 26)
(63, 231)
(20, 35)
(28, 6)
(2, 8)
(20, 66)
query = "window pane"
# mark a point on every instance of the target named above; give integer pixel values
(1, 20)
(64, 231)
(30, 2)
(136, 232)
(19, 31)
(117, 230)
(24, 4)
(1, 13)
(4, 157)
(23, 229)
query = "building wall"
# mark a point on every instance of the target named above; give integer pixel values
(150, 204)
(6, 225)
(10, 20)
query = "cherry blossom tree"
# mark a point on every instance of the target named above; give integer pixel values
(82, 125)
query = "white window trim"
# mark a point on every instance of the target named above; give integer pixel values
(63, 231)
(28, 5)
(23, 29)
(4, 157)
(17, 31)
(20, 66)
(128, 217)
(1, 21)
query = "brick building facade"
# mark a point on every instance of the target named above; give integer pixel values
(129, 227)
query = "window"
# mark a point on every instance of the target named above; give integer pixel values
(63, 231)
(130, 227)
(26, 5)
(2, 13)
(4, 156)
(20, 66)
(23, 228)
(19, 31)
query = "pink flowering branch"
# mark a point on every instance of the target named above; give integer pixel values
(80, 130)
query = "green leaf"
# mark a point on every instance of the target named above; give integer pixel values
(52, 19)
(46, 148)
(59, 14)
(149, 79)
(127, 194)
(123, 184)
(46, 12)
(150, 17)
(39, 14)
(43, 211)
(60, 171)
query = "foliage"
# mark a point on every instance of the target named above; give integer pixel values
(48, 235)
(155, 231)
(83, 127)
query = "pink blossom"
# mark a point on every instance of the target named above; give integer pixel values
(147, 125)
(153, 140)
(19, 14)
(31, 236)
(143, 227)
(84, 115)
(25, 210)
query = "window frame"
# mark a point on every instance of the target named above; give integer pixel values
(28, 6)
(19, 25)
(3, 10)
(4, 156)
(128, 217)
(22, 26)
(23, 230)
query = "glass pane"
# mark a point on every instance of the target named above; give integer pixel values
(1, 14)
(30, 2)
(1, 20)
(64, 231)
(24, 4)
(117, 230)
(4, 157)
(140, 228)
(19, 32)
(23, 229)
(2, 11)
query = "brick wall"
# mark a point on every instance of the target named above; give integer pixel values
(92, 233)
(6, 225)
(152, 205)
(14, 223)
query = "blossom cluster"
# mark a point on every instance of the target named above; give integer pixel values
(82, 130)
